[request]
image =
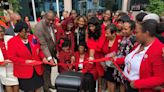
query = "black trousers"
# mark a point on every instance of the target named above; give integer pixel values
(47, 77)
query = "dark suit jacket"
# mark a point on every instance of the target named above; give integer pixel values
(10, 31)
(47, 44)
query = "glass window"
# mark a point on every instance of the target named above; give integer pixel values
(40, 5)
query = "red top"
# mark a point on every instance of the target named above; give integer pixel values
(103, 28)
(96, 44)
(151, 69)
(106, 49)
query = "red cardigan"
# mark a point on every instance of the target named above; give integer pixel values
(19, 53)
(151, 69)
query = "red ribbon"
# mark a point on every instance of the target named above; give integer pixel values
(95, 61)
(92, 61)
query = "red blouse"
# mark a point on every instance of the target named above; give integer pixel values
(106, 49)
(96, 44)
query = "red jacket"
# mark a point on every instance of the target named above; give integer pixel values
(151, 69)
(77, 57)
(19, 53)
(88, 68)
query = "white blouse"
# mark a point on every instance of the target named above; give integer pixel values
(81, 65)
(133, 62)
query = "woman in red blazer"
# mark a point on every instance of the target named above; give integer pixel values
(144, 65)
(25, 52)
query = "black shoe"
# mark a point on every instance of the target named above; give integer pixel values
(52, 87)
(47, 91)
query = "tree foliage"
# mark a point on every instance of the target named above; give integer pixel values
(156, 6)
(15, 5)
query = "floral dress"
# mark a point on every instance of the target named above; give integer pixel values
(124, 48)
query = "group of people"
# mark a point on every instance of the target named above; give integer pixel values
(134, 44)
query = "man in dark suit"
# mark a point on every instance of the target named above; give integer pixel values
(45, 33)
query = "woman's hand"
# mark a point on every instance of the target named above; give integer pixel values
(29, 61)
(132, 84)
(90, 59)
(73, 59)
(45, 60)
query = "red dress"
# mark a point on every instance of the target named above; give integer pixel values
(97, 46)
(64, 59)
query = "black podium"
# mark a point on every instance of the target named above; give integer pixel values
(69, 82)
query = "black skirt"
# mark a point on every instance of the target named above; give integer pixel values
(32, 83)
(129, 88)
(109, 74)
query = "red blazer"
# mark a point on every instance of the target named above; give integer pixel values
(151, 69)
(3, 48)
(77, 57)
(19, 53)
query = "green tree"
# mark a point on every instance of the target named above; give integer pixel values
(156, 6)
(15, 5)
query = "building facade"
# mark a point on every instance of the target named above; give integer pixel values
(33, 8)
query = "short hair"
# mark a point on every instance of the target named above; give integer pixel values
(124, 18)
(150, 26)
(140, 16)
(19, 26)
(132, 24)
(49, 12)
(73, 11)
(160, 28)
(112, 28)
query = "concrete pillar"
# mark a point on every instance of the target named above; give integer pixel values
(124, 5)
(57, 8)
(34, 11)
(68, 5)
